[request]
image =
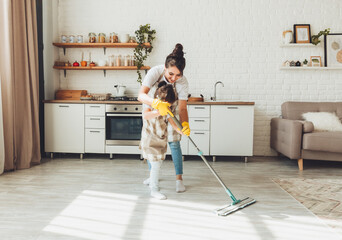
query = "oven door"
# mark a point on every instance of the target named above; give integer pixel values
(123, 129)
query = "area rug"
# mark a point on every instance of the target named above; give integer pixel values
(323, 197)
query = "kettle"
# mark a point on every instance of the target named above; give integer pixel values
(120, 90)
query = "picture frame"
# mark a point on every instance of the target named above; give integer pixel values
(316, 61)
(333, 50)
(301, 33)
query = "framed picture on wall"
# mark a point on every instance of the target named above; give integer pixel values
(333, 50)
(316, 61)
(302, 33)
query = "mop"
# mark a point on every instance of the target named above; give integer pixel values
(236, 204)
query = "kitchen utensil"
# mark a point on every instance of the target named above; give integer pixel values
(120, 90)
(195, 99)
(70, 94)
(124, 38)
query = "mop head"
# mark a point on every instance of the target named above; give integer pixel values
(233, 207)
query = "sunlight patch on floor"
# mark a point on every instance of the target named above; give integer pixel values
(103, 215)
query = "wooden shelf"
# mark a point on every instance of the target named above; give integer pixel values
(98, 45)
(310, 68)
(299, 45)
(105, 68)
(101, 68)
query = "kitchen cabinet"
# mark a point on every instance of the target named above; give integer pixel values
(199, 121)
(95, 133)
(218, 129)
(64, 128)
(231, 130)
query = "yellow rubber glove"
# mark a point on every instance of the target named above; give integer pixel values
(186, 128)
(162, 107)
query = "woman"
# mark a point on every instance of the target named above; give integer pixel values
(172, 73)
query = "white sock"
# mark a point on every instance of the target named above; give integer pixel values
(180, 186)
(146, 181)
(158, 195)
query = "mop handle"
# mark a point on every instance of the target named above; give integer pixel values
(178, 124)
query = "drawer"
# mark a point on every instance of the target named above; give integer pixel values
(95, 141)
(95, 109)
(199, 111)
(199, 123)
(201, 139)
(95, 122)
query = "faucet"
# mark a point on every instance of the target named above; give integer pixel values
(214, 97)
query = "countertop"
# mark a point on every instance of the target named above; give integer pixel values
(137, 102)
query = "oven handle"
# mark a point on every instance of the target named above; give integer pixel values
(124, 115)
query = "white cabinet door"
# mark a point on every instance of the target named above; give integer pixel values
(64, 127)
(231, 130)
(95, 141)
(201, 139)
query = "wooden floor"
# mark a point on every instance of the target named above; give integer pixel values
(97, 198)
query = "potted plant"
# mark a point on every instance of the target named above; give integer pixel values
(305, 63)
(315, 38)
(144, 35)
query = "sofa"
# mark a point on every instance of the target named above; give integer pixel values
(296, 138)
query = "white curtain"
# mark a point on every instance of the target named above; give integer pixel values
(2, 147)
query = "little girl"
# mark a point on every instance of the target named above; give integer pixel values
(154, 135)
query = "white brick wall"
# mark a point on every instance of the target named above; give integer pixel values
(236, 42)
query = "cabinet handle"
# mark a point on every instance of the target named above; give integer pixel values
(94, 106)
(63, 106)
(95, 118)
(199, 107)
(199, 120)
(199, 133)
(95, 131)
(232, 107)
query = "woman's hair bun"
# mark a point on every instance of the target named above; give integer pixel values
(178, 51)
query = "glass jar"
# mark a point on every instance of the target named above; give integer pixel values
(132, 61)
(114, 38)
(132, 39)
(79, 39)
(92, 37)
(118, 61)
(64, 38)
(72, 39)
(102, 38)
(126, 60)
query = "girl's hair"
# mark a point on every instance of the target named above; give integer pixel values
(165, 92)
(176, 58)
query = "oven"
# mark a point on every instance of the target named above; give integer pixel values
(123, 124)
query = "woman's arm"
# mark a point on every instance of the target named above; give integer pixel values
(143, 97)
(173, 124)
(183, 111)
(149, 114)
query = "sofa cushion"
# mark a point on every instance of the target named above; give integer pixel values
(323, 121)
(323, 141)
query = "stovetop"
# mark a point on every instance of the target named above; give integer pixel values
(123, 98)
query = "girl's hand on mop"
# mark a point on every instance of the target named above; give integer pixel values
(162, 107)
(186, 128)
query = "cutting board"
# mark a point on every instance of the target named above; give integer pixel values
(195, 99)
(70, 94)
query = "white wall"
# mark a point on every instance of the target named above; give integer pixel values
(236, 42)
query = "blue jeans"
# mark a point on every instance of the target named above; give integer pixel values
(176, 153)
